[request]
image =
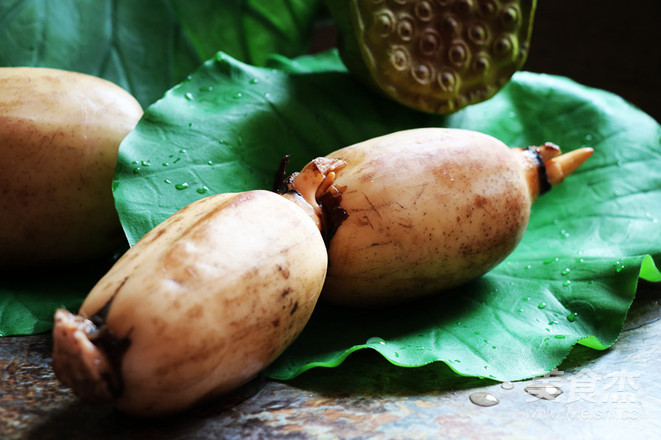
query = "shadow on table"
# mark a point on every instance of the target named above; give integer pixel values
(84, 421)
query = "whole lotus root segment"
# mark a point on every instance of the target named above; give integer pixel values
(59, 136)
(435, 56)
(200, 305)
(428, 210)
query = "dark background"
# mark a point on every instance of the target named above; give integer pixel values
(603, 44)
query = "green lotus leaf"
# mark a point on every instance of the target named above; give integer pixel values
(571, 280)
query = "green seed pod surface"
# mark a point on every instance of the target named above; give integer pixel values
(434, 56)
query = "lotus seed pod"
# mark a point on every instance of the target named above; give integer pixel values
(200, 305)
(427, 210)
(434, 56)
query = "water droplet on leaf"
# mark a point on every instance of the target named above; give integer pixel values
(376, 340)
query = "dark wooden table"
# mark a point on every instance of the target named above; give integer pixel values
(605, 395)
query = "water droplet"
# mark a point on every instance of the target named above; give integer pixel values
(486, 341)
(376, 340)
(529, 266)
(482, 398)
(572, 317)
(206, 89)
(167, 181)
(566, 283)
(189, 96)
(182, 150)
(551, 260)
(519, 310)
(457, 361)
(565, 271)
(238, 95)
(146, 163)
(541, 305)
(176, 160)
(588, 137)
(507, 385)
(181, 186)
(564, 233)
(166, 164)
(618, 266)
(553, 322)
(202, 190)
(560, 336)
(493, 346)
(136, 170)
(254, 81)
(210, 162)
(527, 298)
(546, 391)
